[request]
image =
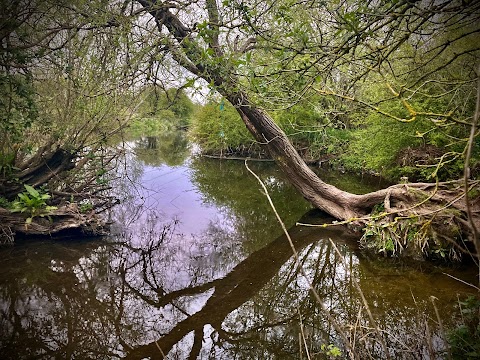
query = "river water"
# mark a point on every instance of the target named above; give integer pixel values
(198, 267)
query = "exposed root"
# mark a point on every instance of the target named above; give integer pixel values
(432, 222)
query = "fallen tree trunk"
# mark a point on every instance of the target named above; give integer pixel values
(60, 222)
(68, 198)
(38, 170)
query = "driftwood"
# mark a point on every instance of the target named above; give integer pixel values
(38, 170)
(64, 220)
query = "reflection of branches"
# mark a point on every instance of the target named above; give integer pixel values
(365, 304)
(231, 291)
(91, 304)
(302, 271)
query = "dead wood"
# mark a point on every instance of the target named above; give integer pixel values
(65, 219)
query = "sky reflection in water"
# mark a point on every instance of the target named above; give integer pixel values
(198, 268)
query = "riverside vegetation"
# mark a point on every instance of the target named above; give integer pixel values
(364, 91)
(390, 88)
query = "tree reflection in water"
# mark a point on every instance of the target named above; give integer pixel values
(170, 148)
(139, 299)
(223, 292)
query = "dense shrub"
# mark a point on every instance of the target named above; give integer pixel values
(218, 129)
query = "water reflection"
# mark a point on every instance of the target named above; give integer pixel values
(170, 148)
(230, 187)
(199, 268)
(200, 191)
(157, 295)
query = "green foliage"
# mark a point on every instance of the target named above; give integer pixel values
(390, 140)
(331, 350)
(315, 127)
(4, 202)
(86, 207)
(18, 111)
(218, 128)
(375, 146)
(162, 112)
(33, 202)
(305, 126)
(7, 162)
(464, 340)
(171, 106)
(149, 126)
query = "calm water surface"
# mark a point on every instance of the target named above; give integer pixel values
(198, 267)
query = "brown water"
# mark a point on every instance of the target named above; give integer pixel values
(198, 267)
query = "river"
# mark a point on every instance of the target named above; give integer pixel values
(197, 266)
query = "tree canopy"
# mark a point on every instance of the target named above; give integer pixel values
(74, 71)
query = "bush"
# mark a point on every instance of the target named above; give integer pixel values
(381, 143)
(218, 129)
(151, 125)
(172, 106)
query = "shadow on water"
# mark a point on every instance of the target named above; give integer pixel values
(199, 268)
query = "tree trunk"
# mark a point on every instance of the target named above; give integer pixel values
(432, 215)
(340, 204)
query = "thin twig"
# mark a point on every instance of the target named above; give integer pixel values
(330, 318)
(302, 334)
(365, 303)
(160, 349)
(462, 281)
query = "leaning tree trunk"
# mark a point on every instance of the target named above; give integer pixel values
(417, 218)
(340, 204)
(436, 212)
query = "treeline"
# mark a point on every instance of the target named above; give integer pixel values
(327, 130)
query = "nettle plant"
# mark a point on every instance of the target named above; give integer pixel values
(33, 202)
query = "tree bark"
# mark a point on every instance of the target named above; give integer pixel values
(338, 203)
(37, 171)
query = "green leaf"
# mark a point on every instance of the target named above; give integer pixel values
(31, 191)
